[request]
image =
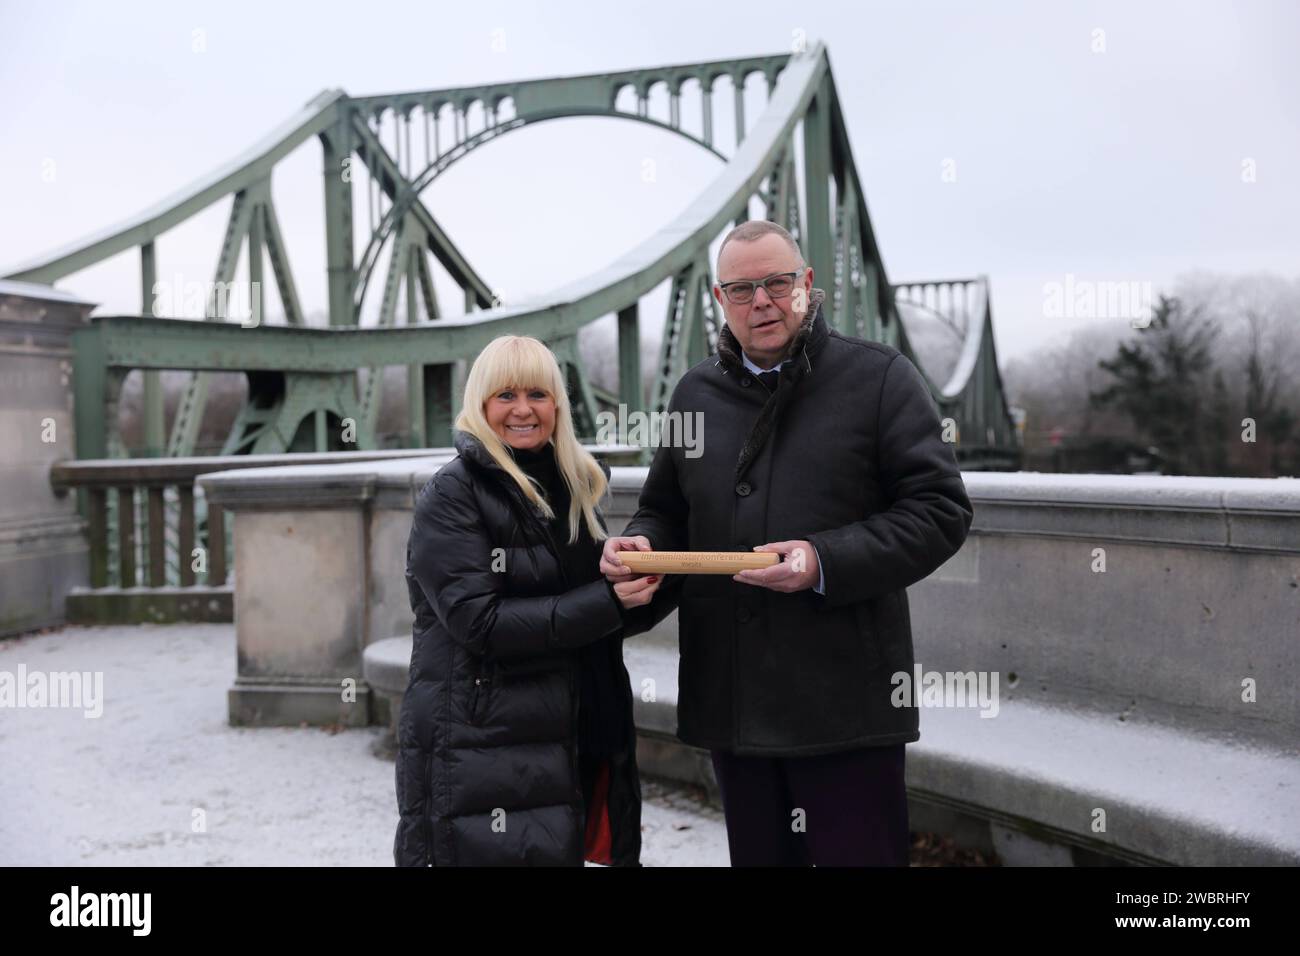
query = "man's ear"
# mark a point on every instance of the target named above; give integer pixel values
(803, 296)
(717, 293)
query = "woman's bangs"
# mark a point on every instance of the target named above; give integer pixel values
(522, 368)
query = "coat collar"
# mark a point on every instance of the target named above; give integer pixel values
(474, 452)
(808, 340)
(476, 455)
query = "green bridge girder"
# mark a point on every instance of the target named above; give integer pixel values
(303, 382)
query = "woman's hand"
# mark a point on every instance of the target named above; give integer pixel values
(610, 566)
(638, 591)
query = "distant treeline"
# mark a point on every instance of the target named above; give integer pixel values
(1211, 386)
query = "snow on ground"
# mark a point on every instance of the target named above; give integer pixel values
(126, 788)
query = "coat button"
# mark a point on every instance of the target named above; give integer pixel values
(742, 615)
(746, 381)
(743, 489)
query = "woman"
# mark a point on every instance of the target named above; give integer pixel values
(515, 741)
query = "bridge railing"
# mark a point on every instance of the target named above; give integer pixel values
(158, 549)
(972, 397)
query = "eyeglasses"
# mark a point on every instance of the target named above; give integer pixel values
(741, 292)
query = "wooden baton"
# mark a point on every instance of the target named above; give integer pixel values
(697, 562)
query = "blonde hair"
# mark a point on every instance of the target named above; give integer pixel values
(522, 362)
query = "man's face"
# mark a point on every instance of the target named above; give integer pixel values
(764, 327)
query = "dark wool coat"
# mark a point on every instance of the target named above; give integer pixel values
(488, 769)
(848, 454)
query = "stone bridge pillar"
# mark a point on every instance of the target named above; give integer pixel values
(43, 552)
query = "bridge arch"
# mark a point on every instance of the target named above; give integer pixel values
(409, 197)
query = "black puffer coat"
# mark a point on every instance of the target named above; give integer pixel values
(488, 769)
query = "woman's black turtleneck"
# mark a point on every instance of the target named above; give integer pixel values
(541, 465)
(601, 720)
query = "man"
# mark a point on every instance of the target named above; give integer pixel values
(826, 450)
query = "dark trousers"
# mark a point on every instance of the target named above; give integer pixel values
(853, 803)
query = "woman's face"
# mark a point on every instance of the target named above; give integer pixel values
(523, 417)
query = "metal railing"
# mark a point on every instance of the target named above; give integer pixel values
(170, 535)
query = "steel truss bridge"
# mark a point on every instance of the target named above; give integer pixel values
(303, 381)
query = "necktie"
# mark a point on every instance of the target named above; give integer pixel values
(770, 378)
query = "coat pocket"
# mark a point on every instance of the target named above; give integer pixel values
(478, 695)
(893, 635)
(868, 633)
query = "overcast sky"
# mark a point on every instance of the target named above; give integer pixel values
(1129, 164)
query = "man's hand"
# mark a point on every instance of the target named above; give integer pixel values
(611, 566)
(798, 568)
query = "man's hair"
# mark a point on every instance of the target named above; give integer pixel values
(756, 229)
